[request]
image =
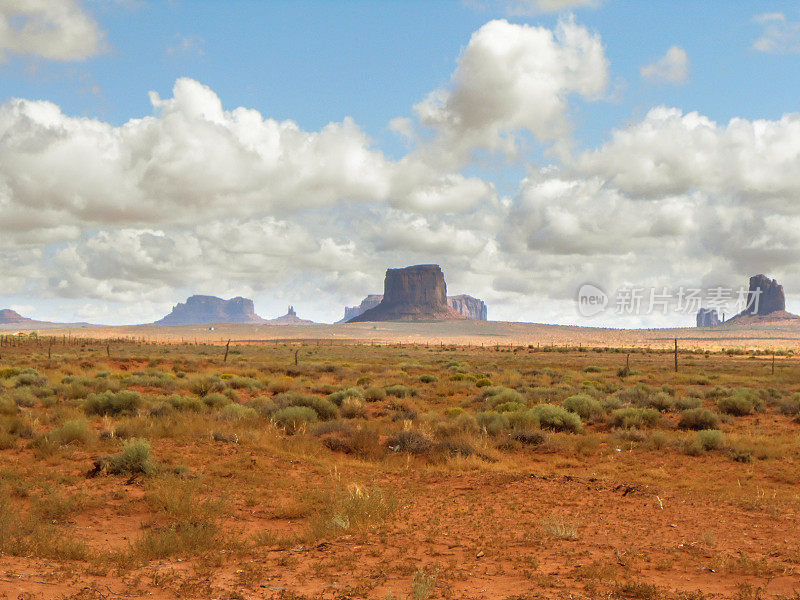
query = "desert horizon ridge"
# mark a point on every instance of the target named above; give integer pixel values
(768, 336)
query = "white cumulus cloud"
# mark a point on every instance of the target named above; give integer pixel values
(671, 152)
(56, 30)
(512, 78)
(779, 35)
(673, 67)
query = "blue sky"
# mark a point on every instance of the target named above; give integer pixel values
(316, 63)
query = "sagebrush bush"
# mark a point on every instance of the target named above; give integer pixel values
(73, 432)
(400, 391)
(113, 403)
(184, 403)
(790, 406)
(263, 406)
(352, 392)
(353, 408)
(687, 402)
(661, 401)
(411, 441)
(584, 406)
(8, 406)
(494, 396)
(710, 439)
(374, 394)
(323, 407)
(637, 395)
(738, 405)
(215, 400)
(202, 386)
(523, 420)
(508, 407)
(244, 383)
(556, 418)
(492, 422)
(698, 418)
(293, 418)
(134, 458)
(30, 377)
(427, 378)
(237, 412)
(638, 418)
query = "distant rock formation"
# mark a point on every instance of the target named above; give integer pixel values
(415, 293)
(370, 301)
(11, 317)
(470, 307)
(707, 317)
(764, 296)
(204, 310)
(290, 318)
(765, 302)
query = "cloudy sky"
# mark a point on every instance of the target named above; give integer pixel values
(292, 151)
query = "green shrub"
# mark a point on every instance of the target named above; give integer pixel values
(638, 418)
(661, 401)
(740, 404)
(494, 396)
(237, 412)
(584, 406)
(592, 369)
(556, 418)
(687, 402)
(717, 392)
(293, 418)
(244, 383)
(202, 386)
(454, 412)
(411, 441)
(507, 407)
(338, 397)
(465, 422)
(323, 407)
(215, 400)
(8, 406)
(74, 390)
(353, 408)
(374, 394)
(710, 439)
(483, 382)
(263, 406)
(637, 395)
(698, 418)
(30, 377)
(113, 403)
(400, 391)
(184, 403)
(134, 458)
(9, 372)
(73, 432)
(426, 378)
(493, 423)
(523, 420)
(790, 406)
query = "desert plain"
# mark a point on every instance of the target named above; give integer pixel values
(470, 460)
